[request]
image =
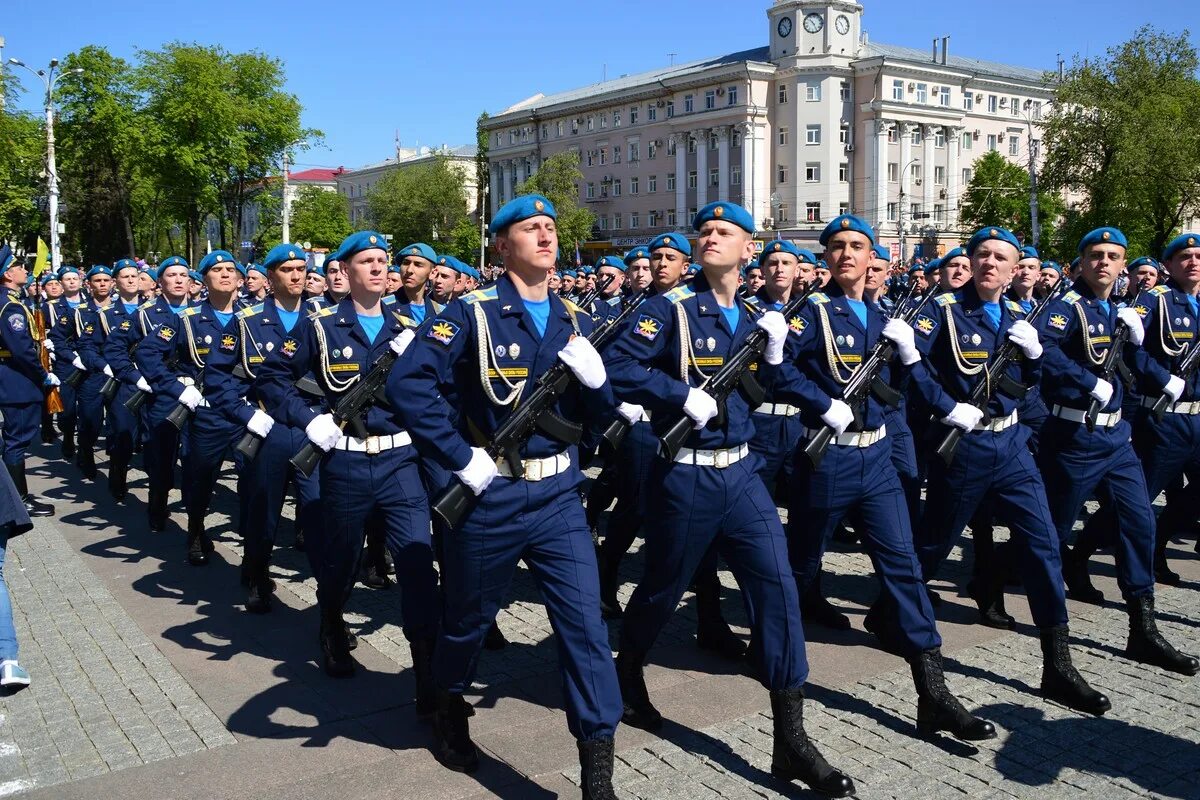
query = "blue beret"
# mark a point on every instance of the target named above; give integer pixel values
(172, 261)
(821, 264)
(989, 233)
(1075, 263)
(1029, 252)
(282, 252)
(122, 263)
(259, 268)
(1132, 266)
(333, 255)
(152, 272)
(724, 211)
(99, 269)
(847, 222)
(611, 261)
(1181, 242)
(693, 268)
(394, 268)
(313, 269)
(933, 265)
(219, 257)
(916, 267)
(882, 253)
(1054, 265)
(588, 269)
(65, 268)
(469, 271)
(47, 276)
(196, 276)
(960, 252)
(417, 249)
(521, 208)
(777, 246)
(636, 253)
(569, 273)
(359, 241)
(1104, 235)
(6, 258)
(673, 241)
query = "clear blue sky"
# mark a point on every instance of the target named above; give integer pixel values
(367, 68)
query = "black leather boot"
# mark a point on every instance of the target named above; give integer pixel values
(34, 506)
(1076, 575)
(196, 554)
(68, 443)
(156, 509)
(795, 757)
(452, 730)
(494, 638)
(596, 769)
(118, 478)
(335, 650)
(1162, 569)
(639, 711)
(1148, 646)
(937, 708)
(987, 589)
(259, 586)
(610, 607)
(712, 631)
(1061, 682)
(85, 459)
(426, 693)
(49, 434)
(815, 608)
(299, 541)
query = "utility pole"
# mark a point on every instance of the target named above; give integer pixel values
(1035, 227)
(483, 229)
(287, 233)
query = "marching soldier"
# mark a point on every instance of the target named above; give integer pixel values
(61, 340)
(22, 379)
(486, 349)
(608, 304)
(957, 340)
(416, 262)
(637, 270)
(91, 421)
(711, 493)
(441, 283)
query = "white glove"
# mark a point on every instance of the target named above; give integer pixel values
(51, 380)
(108, 371)
(630, 412)
(1175, 388)
(776, 327)
(901, 334)
(323, 432)
(1137, 334)
(1102, 391)
(839, 416)
(700, 407)
(77, 363)
(49, 345)
(260, 424)
(1025, 336)
(963, 416)
(479, 472)
(144, 385)
(401, 341)
(190, 397)
(584, 361)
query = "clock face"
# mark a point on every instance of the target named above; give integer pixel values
(785, 26)
(842, 24)
(813, 23)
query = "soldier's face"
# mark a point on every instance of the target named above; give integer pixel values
(15, 276)
(531, 243)
(101, 286)
(53, 289)
(221, 278)
(1147, 273)
(957, 272)
(876, 274)
(71, 282)
(848, 253)
(667, 266)
(443, 279)
(414, 272)
(992, 265)
(1101, 264)
(393, 281)
(755, 280)
(287, 280)
(128, 280)
(175, 283)
(723, 245)
(1048, 277)
(781, 271)
(145, 284)
(804, 274)
(1026, 275)
(367, 271)
(254, 282)
(335, 277)
(618, 278)
(638, 274)
(555, 282)
(314, 283)
(1184, 268)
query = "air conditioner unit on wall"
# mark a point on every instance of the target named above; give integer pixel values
(661, 103)
(978, 98)
(658, 142)
(849, 148)
(975, 133)
(720, 91)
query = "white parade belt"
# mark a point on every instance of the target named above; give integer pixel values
(712, 458)
(538, 469)
(373, 445)
(777, 410)
(1079, 415)
(859, 439)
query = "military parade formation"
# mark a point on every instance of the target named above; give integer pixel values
(435, 420)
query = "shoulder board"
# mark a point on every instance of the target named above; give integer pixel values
(328, 311)
(751, 303)
(1159, 290)
(437, 307)
(148, 304)
(679, 294)
(191, 311)
(571, 305)
(946, 299)
(1014, 306)
(480, 296)
(407, 322)
(1070, 298)
(389, 299)
(818, 298)
(250, 311)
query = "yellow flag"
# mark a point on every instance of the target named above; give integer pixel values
(43, 259)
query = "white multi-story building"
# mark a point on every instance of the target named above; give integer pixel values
(356, 184)
(819, 122)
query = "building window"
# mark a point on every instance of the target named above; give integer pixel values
(633, 185)
(689, 103)
(591, 123)
(672, 146)
(574, 127)
(633, 115)
(893, 212)
(898, 90)
(968, 141)
(616, 154)
(651, 219)
(670, 218)
(967, 174)
(783, 136)
(845, 91)
(603, 121)
(691, 184)
(893, 171)
(545, 130)
(670, 181)
(916, 135)
(604, 189)
(651, 150)
(558, 128)
(968, 101)
(991, 141)
(652, 183)
(714, 177)
(783, 93)
(713, 142)
(781, 213)
(670, 108)
(812, 92)
(651, 113)
(616, 188)
(1014, 145)
(843, 172)
(732, 96)
(812, 212)
(944, 96)
(737, 139)
(783, 174)
(843, 209)
(939, 176)
(914, 211)
(915, 171)
(1037, 110)
(893, 135)
(691, 213)
(939, 137)
(602, 221)
(812, 172)
(603, 156)
(812, 134)
(635, 220)
(616, 223)
(591, 191)
(635, 151)
(939, 212)
(710, 99)
(735, 176)
(512, 137)
(590, 157)
(844, 134)
(691, 145)
(991, 100)
(616, 119)
(1014, 105)
(922, 93)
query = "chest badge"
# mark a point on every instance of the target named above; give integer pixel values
(840, 340)
(208, 339)
(850, 341)
(270, 346)
(1058, 321)
(712, 344)
(698, 344)
(501, 351)
(976, 338)
(336, 353)
(514, 350)
(347, 351)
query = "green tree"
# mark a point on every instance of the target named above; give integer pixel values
(320, 217)
(998, 194)
(558, 180)
(1122, 135)
(464, 241)
(483, 170)
(22, 159)
(420, 203)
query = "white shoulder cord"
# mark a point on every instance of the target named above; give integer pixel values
(1164, 327)
(483, 340)
(191, 340)
(1089, 349)
(335, 385)
(686, 354)
(964, 366)
(247, 338)
(837, 364)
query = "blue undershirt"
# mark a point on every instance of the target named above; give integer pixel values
(1026, 304)
(178, 309)
(992, 312)
(777, 306)
(223, 317)
(1106, 306)
(860, 310)
(417, 312)
(129, 307)
(288, 318)
(731, 316)
(371, 325)
(1193, 305)
(539, 312)
(74, 303)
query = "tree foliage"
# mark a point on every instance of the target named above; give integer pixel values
(22, 160)
(420, 203)
(1122, 135)
(320, 217)
(558, 179)
(998, 194)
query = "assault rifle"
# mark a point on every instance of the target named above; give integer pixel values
(1187, 368)
(726, 380)
(994, 377)
(1112, 359)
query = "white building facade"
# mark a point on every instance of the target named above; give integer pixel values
(356, 184)
(819, 122)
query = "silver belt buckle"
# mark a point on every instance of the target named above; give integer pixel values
(533, 470)
(372, 443)
(721, 459)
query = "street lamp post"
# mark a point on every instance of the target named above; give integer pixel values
(1035, 228)
(903, 236)
(287, 237)
(49, 79)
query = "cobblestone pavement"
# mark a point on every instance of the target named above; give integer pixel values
(104, 697)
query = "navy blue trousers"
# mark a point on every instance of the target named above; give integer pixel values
(209, 436)
(21, 424)
(262, 490)
(631, 471)
(90, 409)
(775, 440)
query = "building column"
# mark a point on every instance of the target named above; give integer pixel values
(680, 140)
(756, 172)
(520, 177)
(927, 195)
(506, 180)
(701, 137)
(497, 187)
(952, 189)
(879, 143)
(723, 162)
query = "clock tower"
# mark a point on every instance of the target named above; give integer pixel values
(806, 28)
